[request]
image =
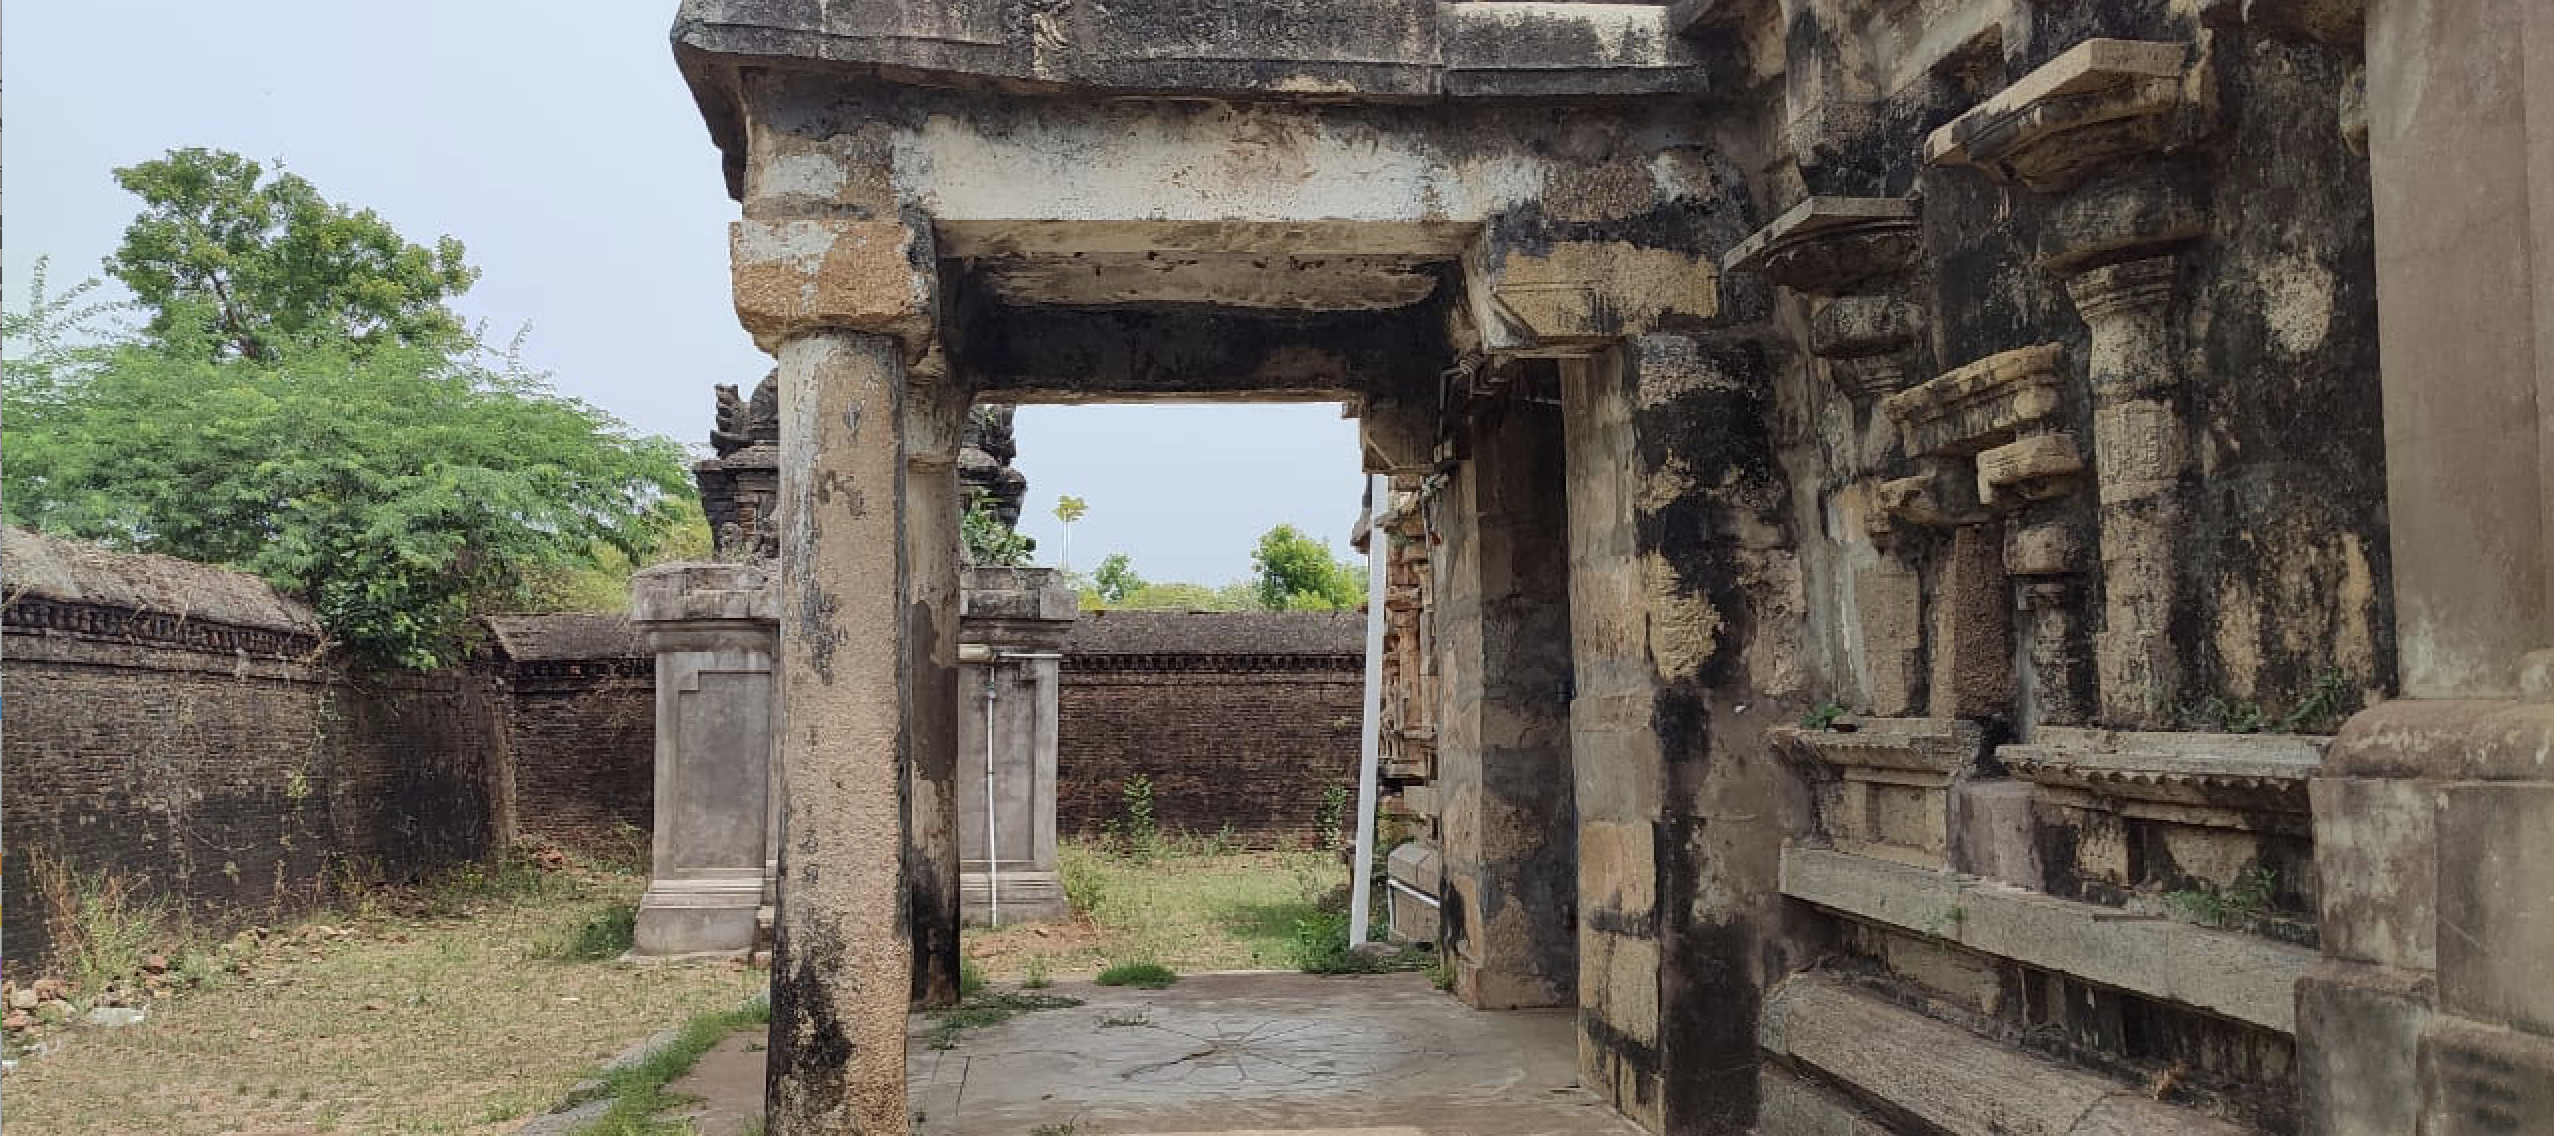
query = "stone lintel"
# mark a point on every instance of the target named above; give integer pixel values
(1983, 404)
(1951, 1080)
(2246, 772)
(799, 275)
(701, 592)
(1827, 245)
(2234, 975)
(2100, 101)
(1569, 299)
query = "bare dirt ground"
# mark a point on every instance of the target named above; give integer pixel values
(373, 1023)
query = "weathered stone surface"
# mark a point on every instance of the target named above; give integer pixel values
(1949, 1079)
(2358, 1036)
(802, 275)
(711, 627)
(2101, 100)
(2496, 904)
(1829, 245)
(1981, 405)
(2478, 1079)
(2238, 976)
(1575, 296)
(2377, 854)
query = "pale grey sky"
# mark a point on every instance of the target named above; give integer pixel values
(557, 142)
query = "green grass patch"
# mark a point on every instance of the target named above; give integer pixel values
(1141, 975)
(990, 1009)
(637, 1092)
(970, 978)
(1321, 947)
(606, 933)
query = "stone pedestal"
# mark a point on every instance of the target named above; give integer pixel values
(711, 627)
(1011, 632)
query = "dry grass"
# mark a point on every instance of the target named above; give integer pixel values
(377, 1023)
(1195, 910)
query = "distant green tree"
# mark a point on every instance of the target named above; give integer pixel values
(303, 405)
(1068, 509)
(1115, 579)
(230, 261)
(398, 490)
(1297, 573)
(1178, 596)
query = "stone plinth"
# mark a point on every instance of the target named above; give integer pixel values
(1011, 629)
(713, 631)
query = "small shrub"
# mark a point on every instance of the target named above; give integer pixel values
(1035, 976)
(1824, 716)
(1332, 820)
(2250, 895)
(608, 933)
(101, 925)
(1441, 971)
(1141, 975)
(1085, 878)
(1143, 834)
(970, 978)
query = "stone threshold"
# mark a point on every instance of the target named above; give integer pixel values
(2233, 975)
(1949, 1079)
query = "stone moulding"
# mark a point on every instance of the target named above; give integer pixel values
(2040, 467)
(1884, 785)
(1828, 245)
(2102, 100)
(1982, 405)
(2249, 773)
(2243, 977)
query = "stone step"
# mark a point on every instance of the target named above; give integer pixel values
(2233, 975)
(1943, 1076)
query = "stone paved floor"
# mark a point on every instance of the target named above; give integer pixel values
(1231, 1053)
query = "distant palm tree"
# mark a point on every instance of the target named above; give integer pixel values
(1068, 509)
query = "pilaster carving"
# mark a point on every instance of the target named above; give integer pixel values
(2138, 450)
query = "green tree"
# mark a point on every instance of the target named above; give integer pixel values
(231, 261)
(1115, 579)
(1068, 509)
(1181, 596)
(1297, 573)
(398, 490)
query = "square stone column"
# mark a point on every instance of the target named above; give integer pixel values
(1009, 688)
(711, 628)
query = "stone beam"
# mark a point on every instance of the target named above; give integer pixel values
(1045, 354)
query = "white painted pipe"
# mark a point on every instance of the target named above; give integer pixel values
(1370, 748)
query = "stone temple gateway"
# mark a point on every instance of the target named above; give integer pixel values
(1969, 565)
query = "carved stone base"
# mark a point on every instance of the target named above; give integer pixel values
(690, 916)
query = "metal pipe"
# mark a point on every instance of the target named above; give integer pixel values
(992, 854)
(1412, 892)
(1370, 746)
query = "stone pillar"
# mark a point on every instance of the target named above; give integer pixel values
(1012, 628)
(935, 425)
(711, 628)
(2138, 455)
(1503, 754)
(2434, 814)
(843, 305)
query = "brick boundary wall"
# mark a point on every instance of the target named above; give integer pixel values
(1240, 720)
(581, 716)
(225, 763)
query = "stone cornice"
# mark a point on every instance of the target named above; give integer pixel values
(1829, 245)
(2100, 101)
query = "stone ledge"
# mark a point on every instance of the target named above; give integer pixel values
(1944, 746)
(2244, 771)
(2232, 975)
(1981, 405)
(2101, 100)
(1950, 1079)
(1826, 245)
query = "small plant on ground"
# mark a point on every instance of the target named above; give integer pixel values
(990, 1009)
(970, 978)
(1067, 1128)
(1125, 1019)
(607, 933)
(2250, 895)
(1141, 975)
(102, 925)
(1332, 820)
(1143, 834)
(1034, 976)
(1085, 876)
(1441, 971)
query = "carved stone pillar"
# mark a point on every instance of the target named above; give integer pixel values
(2046, 561)
(843, 308)
(2138, 456)
(711, 628)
